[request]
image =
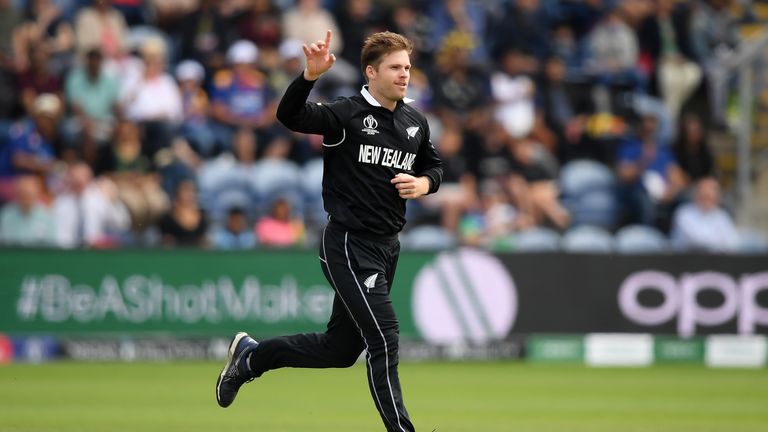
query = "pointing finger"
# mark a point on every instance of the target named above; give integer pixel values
(328, 38)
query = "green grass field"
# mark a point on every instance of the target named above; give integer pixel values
(469, 397)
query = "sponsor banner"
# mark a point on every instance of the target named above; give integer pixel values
(616, 349)
(669, 349)
(555, 349)
(736, 351)
(180, 292)
(457, 298)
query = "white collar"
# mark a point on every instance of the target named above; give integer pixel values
(371, 100)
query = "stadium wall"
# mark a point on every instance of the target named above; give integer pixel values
(458, 303)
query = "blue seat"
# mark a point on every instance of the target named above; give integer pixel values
(587, 238)
(537, 239)
(596, 208)
(427, 237)
(312, 191)
(270, 179)
(585, 175)
(640, 239)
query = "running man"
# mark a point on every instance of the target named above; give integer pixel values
(377, 154)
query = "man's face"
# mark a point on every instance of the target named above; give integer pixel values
(390, 79)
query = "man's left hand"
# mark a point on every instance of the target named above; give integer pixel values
(410, 187)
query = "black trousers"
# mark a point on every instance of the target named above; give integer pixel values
(360, 270)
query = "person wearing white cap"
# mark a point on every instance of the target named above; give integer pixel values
(241, 96)
(195, 125)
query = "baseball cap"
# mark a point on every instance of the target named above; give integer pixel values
(190, 70)
(290, 48)
(242, 51)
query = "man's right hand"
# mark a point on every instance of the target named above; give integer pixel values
(319, 58)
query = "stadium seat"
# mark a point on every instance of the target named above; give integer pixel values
(596, 208)
(537, 239)
(588, 192)
(427, 237)
(583, 175)
(312, 191)
(640, 239)
(752, 242)
(273, 178)
(587, 238)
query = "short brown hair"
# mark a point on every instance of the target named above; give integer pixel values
(379, 44)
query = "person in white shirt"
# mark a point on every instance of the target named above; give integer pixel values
(702, 225)
(89, 213)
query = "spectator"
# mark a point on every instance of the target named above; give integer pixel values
(665, 44)
(37, 79)
(153, 99)
(613, 52)
(524, 27)
(44, 29)
(261, 24)
(205, 34)
(650, 178)
(92, 95)
(291, 65)
(702, 225)
(533, 183)
(692, 149)
(714, 38)
(467, 17)
(196, 126)
(241, 96)
(30, 149)
(458, 87)
(307, 19)
(26, 221)
(185, 225)
(89, 213)
(458, 189)
(10, 20)
(101, 26)
(235, 234)
(514, 93)
(280, 228)
(138, 187)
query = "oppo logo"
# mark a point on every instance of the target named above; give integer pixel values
(680, 298)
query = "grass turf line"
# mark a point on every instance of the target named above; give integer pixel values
(461, 397)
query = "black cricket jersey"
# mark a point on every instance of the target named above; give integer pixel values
(364, 146)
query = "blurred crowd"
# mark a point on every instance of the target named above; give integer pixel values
(143, 123)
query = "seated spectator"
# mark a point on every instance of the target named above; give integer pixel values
(241, 96)
(153, 99)
(44, 29)
(458, 189)
(101, 26)
(260, 23)
(702, 225)
(495, 219)
(205, 33)
(613, 52)
(514, 93)
(650, 178)
(137, 185)
(280, 228)
(235, 234)
(26, 221)
(89, 212)
(665, 45)
(195, 125)
(534, 174)
(185, 225)
(37, 79)
(692, 149)
(29, 149)
(92, 94)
